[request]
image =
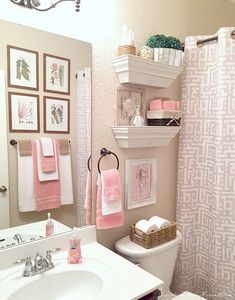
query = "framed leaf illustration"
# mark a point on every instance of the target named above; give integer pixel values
(22, 68)
(56, 115)
(56, 74)
(23, 112)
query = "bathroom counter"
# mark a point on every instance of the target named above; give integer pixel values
(115, 277)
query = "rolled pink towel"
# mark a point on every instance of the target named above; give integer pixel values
(169, 105)
(155, 104)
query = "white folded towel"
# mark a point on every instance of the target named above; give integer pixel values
(46, 176)
(66, 183)
(47, 146)
(26, 199)
(159, 222)
(144, 226)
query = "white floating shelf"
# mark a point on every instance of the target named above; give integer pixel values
(144, 136)
(137, 70)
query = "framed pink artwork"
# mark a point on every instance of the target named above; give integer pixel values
(140, 182)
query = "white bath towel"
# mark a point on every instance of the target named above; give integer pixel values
(159, 222)
(144, 226)
(47, 146)
(26, 199)
(66, 183)
(46, 176)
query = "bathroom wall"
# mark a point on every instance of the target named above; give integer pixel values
(101, 23)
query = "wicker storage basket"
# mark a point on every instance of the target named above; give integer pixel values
(126, 49)
(154, 238)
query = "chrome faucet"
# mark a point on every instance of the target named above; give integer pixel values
(18, 238)
(41, 264)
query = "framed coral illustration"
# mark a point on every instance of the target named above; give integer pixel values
(23, 112)
(56, 74)
(56, 115)
(140, 182)
(22, 65)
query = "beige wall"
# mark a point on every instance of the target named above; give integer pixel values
(171, 17)
(79, 54)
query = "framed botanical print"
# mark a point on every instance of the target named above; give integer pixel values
(22, 68)
(56, 74)
(140, 182)
(23, 112)
(56, 115)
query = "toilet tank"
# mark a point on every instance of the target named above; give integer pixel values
(159, 261)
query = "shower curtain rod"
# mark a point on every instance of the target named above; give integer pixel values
(214, 38)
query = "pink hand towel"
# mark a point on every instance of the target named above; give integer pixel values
(47, 162)
(111, 187)
(47, 193)
(88, 200)
(108, 221)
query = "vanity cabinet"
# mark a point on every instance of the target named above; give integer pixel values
(136, 70)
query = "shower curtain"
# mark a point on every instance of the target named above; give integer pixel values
(205, 212)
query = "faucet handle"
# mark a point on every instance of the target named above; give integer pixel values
(49, 259)
(54, 250)
(19, 261)
(38, 261)
(28, 268)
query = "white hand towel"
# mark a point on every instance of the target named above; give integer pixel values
(66, 183)
(26, 199)
(46, 176)
(159, 222)
(144, 226)
(47, 146)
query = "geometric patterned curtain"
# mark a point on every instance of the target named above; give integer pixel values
(205, 212)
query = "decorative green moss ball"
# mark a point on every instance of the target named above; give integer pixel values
(161, 41)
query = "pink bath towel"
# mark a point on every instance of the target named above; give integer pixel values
(108, 221)
(88, 200)
(111, 187)
(47, 162)
(47, 193)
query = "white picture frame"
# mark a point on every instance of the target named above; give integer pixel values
(140, 182)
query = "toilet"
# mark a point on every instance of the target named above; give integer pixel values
(159, 261)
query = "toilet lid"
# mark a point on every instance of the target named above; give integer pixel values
(188, 296)
(126, 247)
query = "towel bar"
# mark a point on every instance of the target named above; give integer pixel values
(14, 142)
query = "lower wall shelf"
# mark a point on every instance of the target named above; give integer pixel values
(144, 136)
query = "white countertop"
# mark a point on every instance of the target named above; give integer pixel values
(123, 280)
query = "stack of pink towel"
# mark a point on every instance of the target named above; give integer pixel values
(109, 209)
(44, 174)
(160, 104)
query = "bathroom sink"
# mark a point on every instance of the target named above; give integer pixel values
(89, 280)
(74, 284)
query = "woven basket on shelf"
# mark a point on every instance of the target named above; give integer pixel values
(126, 49)
(154, 238)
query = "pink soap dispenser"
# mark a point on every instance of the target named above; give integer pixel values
(49, 225)
(74, 252)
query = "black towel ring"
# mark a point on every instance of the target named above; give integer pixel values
(88, 163)
(104, 152)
